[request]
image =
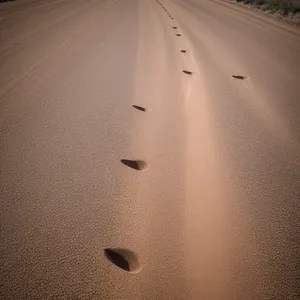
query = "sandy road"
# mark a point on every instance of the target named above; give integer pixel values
(216, 213)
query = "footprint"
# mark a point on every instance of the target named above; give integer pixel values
(138, 165)
(187, 72)
(141, 108)
(123, 258)
(240, 77)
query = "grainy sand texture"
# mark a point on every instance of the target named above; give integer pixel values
(148, 150)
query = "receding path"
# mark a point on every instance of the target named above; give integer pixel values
(149, 150)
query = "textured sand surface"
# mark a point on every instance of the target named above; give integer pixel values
(196, 186)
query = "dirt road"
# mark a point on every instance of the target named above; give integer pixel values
(214, 212)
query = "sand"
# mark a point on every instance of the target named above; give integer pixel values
(149, 150)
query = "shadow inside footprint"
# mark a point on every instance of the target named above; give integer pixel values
(140, 108)
(240, 77)
(117, 259)
(187, 72)
(123, 258)
(138, 165)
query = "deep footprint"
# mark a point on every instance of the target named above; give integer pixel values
(123, 258)
(138, 165)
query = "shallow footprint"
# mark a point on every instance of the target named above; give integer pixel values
(240, 77)
(141, 108)
(187, 72)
